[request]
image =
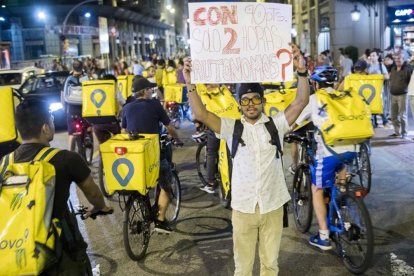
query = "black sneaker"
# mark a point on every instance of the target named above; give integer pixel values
(394, 135)
(162, 227)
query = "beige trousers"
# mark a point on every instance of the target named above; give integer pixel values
(247, 230)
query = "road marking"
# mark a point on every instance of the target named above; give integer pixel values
(399, 267)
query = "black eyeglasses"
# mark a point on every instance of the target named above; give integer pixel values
(255, 100)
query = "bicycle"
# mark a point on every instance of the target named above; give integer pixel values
(348, 218)
(139, 212)
(83, 139)
(361, 168)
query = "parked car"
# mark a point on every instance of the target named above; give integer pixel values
(15, 78)
(47, 87)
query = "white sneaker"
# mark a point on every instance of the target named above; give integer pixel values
(291, 170)
(208, 189)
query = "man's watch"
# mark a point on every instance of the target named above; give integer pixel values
(302, 74)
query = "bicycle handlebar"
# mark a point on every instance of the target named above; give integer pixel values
(293, 137)
(82, 210)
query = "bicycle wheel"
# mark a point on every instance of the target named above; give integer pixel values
(88, 146)
(364, 168)
(302, 199)
(136, 227)
(175, 199)
(201, 160)
(101, 177)
(355, 244)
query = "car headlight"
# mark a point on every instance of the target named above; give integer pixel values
(55, 107)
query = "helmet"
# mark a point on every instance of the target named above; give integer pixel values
(199, 137)
(325, 74)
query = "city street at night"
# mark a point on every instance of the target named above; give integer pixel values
(261, 110)
(201, 243)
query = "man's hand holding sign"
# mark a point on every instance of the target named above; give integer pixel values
(248, 43)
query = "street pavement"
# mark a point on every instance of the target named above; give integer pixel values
(201, 243)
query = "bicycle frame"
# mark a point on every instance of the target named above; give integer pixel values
(333, 207)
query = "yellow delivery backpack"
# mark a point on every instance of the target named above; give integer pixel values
(219, 101)
(131, 165)
(99, 105)
(124, 83)
(28, 233)
(369, 87)
(346, 118)
(278, 101)
(8, 131)
(174, 92)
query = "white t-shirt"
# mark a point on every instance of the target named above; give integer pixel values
(346, 66)
(257, 177)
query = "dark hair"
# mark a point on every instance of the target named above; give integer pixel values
(161, 62)
(31, 115)
(108, 77)
(171, 63)
(77, 65)
(181, 62)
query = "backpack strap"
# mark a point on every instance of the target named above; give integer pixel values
(237, 137)
(274, 137)
(3, 166)
(46, 154)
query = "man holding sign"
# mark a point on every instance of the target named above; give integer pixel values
(248, 43)
(258, 185)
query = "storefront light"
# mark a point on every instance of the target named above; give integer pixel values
(355, 14)
(396, 21)
(410, 20)
(2, 19)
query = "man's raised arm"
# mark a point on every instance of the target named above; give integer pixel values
(293, 111)
(201, 114)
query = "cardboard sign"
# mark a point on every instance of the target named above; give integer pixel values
(240, 42)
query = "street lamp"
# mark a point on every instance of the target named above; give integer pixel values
(151, 37)
(2, 19)
(355, 14)
(3, 6)
(88, 14)
(41, 15)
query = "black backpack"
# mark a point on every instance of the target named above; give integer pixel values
(274, 140)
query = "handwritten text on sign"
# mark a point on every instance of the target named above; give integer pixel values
(240, 42)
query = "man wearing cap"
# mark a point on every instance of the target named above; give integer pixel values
(144, 115)
(258, 185)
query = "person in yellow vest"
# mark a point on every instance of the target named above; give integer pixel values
(170, 74)
(159, 72)
(150, 75)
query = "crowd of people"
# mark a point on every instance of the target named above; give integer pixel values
(396, 65)
(259, 190)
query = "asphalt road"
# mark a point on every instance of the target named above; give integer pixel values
(201, 243)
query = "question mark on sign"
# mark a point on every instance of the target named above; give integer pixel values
(284, 65)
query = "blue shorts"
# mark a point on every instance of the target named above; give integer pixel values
(324, 169)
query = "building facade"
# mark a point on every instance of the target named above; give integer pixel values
(323, 24)
(131, 29)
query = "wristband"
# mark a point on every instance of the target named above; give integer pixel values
(192, 90)
(302, 74)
